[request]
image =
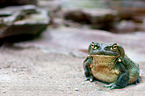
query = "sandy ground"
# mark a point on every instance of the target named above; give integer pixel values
(52, 64)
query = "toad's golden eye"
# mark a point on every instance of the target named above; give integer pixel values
(92, 45)
(114, 46)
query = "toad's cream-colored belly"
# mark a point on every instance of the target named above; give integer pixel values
(103, 68)
(105, 74)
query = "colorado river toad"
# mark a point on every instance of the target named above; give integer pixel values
(107, 62)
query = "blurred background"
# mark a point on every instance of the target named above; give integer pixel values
(118, 16)
(44, 42)
(26, 20)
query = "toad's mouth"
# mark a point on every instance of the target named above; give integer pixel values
(106, 56)
(104, 53)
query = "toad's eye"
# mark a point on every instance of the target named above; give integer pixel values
(93, 46)
(114, 46)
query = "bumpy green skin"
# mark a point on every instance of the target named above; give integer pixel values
(126, 71)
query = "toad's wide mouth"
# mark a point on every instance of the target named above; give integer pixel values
(106, 53)
(104, 56)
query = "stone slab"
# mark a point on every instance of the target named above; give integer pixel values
(22, 20)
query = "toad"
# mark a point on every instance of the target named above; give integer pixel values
(108, 62)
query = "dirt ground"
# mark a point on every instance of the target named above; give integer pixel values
(51, 65)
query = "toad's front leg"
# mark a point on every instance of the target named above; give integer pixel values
(122, 79)
(88, 73)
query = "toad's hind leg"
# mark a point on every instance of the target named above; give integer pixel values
(137, 81)
(122, 80)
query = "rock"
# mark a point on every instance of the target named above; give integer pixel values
(4, 91)
(4, 3)
(76, 89)
(97, 18)
(25, 20)
(125, 26)
(102, 18)
(129, 9)
(77, 16)
(82, 83)
(120, 10)
(91, 12)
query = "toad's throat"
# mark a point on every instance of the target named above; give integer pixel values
(104, 60)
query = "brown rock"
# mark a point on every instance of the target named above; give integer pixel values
(77, 15)
(97, 18)
(129, 9)
(25, 20)
(125, 26)
(102, 18)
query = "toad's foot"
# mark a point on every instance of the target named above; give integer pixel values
(90, 78)
(111, 86)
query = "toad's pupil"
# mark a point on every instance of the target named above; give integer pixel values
(92, 46)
